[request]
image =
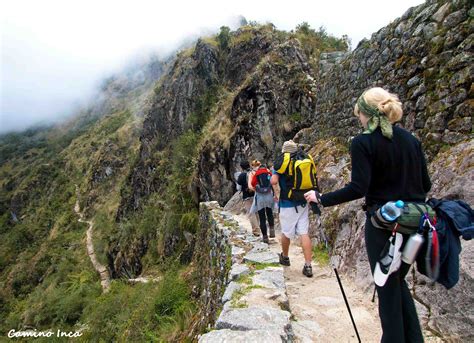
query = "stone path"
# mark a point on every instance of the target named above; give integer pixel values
(256, 306)
(316, 304)
(319, 309)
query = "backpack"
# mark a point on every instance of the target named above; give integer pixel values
(241, 187)
(302, 170)
(263, 176)
(409, 220)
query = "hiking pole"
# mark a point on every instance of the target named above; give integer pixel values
(347, 304)
(340, 286)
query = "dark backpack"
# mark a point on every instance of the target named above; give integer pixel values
(263, 176)
(242, 181)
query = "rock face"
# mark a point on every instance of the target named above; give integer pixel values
(273, 103)
(425, 57)
(176, 99)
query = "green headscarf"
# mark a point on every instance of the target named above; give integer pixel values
(376, 118)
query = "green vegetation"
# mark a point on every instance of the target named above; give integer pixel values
(246, 287)
(47, 280)
(321, 255)
(315, 42)
(141, 312)
(224, 38)
(295, 117)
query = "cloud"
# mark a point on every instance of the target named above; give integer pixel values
(53, 53)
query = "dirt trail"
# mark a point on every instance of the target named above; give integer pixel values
(102, 270)
(317, 304)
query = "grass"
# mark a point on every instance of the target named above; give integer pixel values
(260, 266)
(246, 287)
(321, 255)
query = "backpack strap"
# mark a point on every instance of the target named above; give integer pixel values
(285, 164)
(422, 211)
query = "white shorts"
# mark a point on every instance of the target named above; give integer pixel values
(293, 222)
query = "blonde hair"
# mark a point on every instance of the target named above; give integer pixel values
(255, 164)
(385, 102)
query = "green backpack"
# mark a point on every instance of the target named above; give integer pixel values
(409, 220)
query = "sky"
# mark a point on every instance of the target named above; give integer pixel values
(54, 53)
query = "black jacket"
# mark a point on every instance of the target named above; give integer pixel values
(454, 218)
(384, 170)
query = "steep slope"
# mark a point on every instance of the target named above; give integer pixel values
(46, 274)
(198, 113)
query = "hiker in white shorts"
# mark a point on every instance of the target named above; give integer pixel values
(294, 215)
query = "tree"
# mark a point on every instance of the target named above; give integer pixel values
(304, 28)
(224, 38)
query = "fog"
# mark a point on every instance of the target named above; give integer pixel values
(54, 53)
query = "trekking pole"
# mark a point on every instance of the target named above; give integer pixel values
(373, 296)
(340, 283)
(347, 304)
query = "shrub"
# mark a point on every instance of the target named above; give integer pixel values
(314, 42)
(224, 38)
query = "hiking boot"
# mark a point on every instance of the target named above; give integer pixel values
(284, 260)
(272, 231)
(265, 239)
(256, 231)
(308, 271)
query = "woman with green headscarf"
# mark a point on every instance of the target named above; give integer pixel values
(388, 164)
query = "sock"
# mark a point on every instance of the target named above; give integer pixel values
(307, 263)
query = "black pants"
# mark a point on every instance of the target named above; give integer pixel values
(265, 214)
(396, 306)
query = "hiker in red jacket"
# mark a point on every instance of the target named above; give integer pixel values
(259, 181)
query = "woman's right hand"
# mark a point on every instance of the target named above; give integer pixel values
(312, 196)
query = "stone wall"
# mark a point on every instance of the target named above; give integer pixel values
(211, 263)
(241, 288)
(426, 58)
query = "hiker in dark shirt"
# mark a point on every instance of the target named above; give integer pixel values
(247, 196)
(388, 164)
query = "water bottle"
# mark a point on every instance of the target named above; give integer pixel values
(411, 248)
(392, 210)
(385, 216)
